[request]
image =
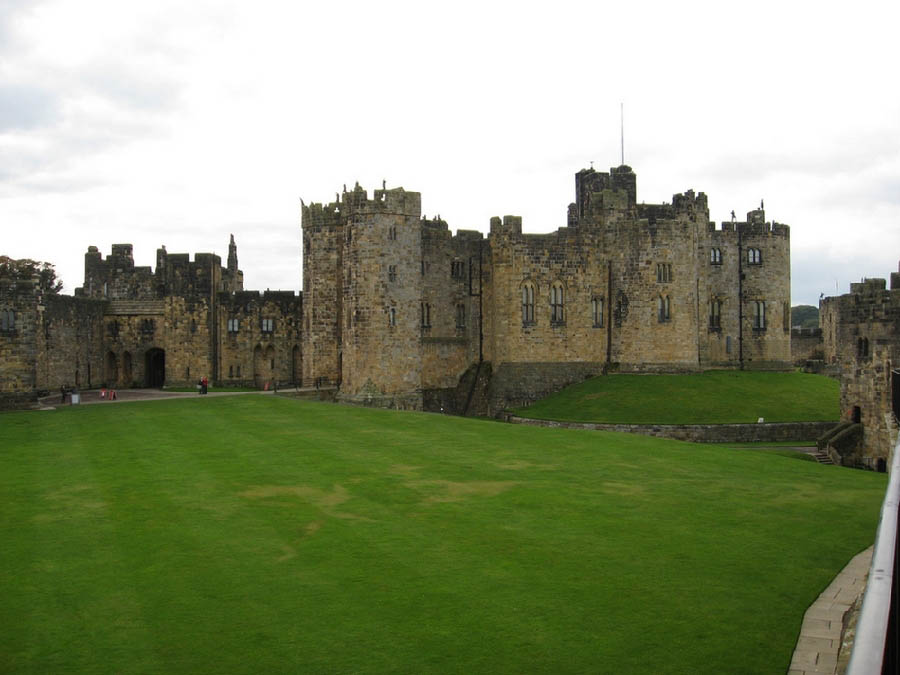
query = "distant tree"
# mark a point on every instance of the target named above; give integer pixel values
(25, 268)
(805, 316)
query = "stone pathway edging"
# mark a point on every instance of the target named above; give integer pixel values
(821, 633)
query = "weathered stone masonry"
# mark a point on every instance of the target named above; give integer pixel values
(132, 326)
(397, 309)
(861, 337)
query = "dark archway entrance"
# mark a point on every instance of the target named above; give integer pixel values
(155, 368)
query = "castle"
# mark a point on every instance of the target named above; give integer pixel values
(131, 326)
(401, 313)
(398, 312)
(861, 339)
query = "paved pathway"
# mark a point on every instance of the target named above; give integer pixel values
(820, 635)
(93, 396)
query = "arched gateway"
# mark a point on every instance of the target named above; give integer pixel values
(155, 368)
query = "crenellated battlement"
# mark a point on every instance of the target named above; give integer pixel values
(317, 215)
(509, 225)
(752, 228)
(117, 278)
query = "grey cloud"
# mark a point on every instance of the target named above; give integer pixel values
(27, 107)
(847, 156)
(131, 88)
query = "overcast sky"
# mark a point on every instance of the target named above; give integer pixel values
(179, 123)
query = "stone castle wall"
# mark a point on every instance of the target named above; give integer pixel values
(130, 327)
(624, 285)
(395, 306)
(806, 345)
(861, 335)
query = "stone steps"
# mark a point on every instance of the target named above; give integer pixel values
(822, 457)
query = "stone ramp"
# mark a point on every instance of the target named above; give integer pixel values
(824, 644)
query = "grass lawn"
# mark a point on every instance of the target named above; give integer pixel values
(713, 397)
(255, 534)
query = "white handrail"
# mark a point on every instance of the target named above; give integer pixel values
(872, 627)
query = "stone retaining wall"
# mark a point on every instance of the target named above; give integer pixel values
(701, 433)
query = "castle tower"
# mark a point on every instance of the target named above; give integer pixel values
(322, 229)
(232, 277)
(232, 255)
(382, 302)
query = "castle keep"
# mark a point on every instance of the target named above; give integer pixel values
(397, 311)
(400, 312)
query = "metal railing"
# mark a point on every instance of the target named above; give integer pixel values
(875, 649)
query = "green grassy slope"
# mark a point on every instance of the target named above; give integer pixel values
(713, 397)
(252, 534)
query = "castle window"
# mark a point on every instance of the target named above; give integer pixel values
(754, 256)
(392, 317)
(557, 303)
(238, 371)
(528, 304)
(234, 325)
(461, 315)
(392, 233)
(715, 314)
(147, 327)
(715, 256)
(392, 273)
(663, 309)
(759, 315)
(231, 371)
(193, 326)
(663, 272)
(457, 269)
(112, 329)
(7, 320)
(267, 325)
(597, 312)
(426, 315)
(862, 348)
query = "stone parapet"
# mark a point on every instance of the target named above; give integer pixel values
(766, 432)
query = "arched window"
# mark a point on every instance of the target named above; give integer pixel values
(754, 256)
(597, 312)
(715, 313)
(759, 315)
(426, 315)
(663, 308)
(557, 303)
(715, 256)
(392, 317)
(7, 320)
(527, 303)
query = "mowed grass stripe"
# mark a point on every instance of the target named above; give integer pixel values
(252, 533)
(712, 397)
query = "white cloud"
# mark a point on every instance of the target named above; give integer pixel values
(177, 124)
